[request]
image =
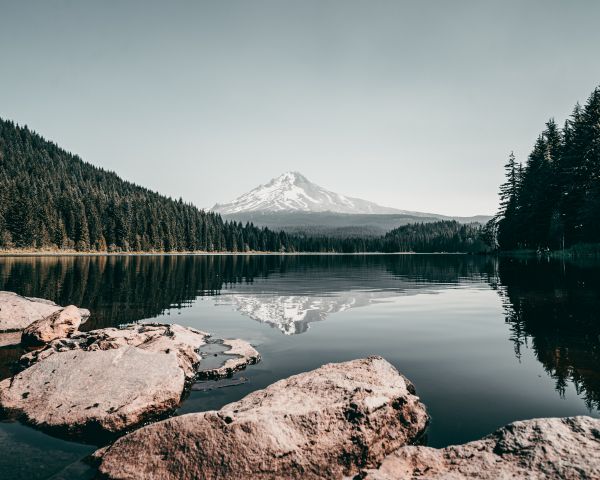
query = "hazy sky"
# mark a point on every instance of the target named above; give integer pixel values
(411, 104)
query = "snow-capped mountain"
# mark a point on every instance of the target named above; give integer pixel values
(293, 192)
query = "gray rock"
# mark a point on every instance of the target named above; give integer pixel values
(109, 379)
(60, 324)
(545, 448)
(17, 312)
(326, 423)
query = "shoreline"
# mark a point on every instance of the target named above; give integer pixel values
(42, 253)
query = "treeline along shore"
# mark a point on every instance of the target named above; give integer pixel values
(51, 200)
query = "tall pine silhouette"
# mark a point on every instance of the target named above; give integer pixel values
(555, 200)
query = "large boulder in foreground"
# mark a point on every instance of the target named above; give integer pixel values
(60, 324)
(108, 380)
(326, 423)
(545, 448)
(17, 312)
(107, 389)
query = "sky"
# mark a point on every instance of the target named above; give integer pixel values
(410, 104)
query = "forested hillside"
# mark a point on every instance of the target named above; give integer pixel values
(51, 199)
(554, 199)
(334, 224)
(444, 236)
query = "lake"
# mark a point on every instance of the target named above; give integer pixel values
(485, 340)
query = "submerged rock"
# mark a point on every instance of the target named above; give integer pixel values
(17, 312)
(326, 423)
(60, 324)
(545, 448)
(109, 379)
(241, 355)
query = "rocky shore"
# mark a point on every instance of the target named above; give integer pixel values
(109, 380)
(544, 448)
(359, 419)
(353, 420)
(326, 423)
(17, 313)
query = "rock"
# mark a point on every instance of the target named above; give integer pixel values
(9, 338)
(81, 391)
(17, 312)
(109, 379)
(60, 324)
(545, 448)
(326, 423)
(150, 337)
(243, 355)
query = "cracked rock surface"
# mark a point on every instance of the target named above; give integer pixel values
(60, 324)
(109, 379)
(543, 448)
(325, 423)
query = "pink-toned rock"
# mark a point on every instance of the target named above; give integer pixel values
(17, 312)
(110, 379)
(544, 448)
(9, 338)
(150, 337)
(82, 391)
(60, 324)
(326, 423)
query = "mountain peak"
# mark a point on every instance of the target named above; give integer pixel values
(290, 177)
(293, 192)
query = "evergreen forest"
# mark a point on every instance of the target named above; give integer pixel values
(553, 200)
(51, 199)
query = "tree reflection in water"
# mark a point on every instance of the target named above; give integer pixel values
(553, 307)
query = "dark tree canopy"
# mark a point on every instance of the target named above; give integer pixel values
(50, 198)
(554, 200)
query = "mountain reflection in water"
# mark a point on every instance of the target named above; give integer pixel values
(551, 307)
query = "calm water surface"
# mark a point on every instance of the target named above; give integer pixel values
(485, 341)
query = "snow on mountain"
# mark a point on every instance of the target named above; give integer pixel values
(293, 192)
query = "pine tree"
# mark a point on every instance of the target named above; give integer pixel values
(508, 190)
(52, 199)
(558, 192)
